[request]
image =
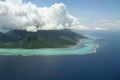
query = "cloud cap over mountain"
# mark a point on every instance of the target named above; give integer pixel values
(14, 14)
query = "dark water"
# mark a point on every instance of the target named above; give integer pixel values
(104, 65)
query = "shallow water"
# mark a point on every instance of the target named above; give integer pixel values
(103, 65)
(87, 46)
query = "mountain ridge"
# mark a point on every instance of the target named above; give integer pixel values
(40, 39)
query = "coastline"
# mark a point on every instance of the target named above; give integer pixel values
(82, 47)
(95, 49)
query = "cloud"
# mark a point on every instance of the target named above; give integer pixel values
(103, 24)
(14, 14)
(107, 24)
(99, 28)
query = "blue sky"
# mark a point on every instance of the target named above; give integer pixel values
(92, 9)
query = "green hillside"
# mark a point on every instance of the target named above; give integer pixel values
(39, 39)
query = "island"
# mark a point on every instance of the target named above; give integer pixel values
(40, 39)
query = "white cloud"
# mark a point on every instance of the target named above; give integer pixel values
(14, 14)
(99, 28)
(107, 24)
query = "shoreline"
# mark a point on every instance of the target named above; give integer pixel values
(68, 51)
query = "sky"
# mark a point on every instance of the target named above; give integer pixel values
(58, 14)
(94, 9)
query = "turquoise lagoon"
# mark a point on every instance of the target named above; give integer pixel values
(85, 47)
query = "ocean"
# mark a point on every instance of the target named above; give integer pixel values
(102, 65)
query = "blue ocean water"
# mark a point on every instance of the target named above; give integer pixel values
(103, 65)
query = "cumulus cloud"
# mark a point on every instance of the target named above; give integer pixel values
(14, 14)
